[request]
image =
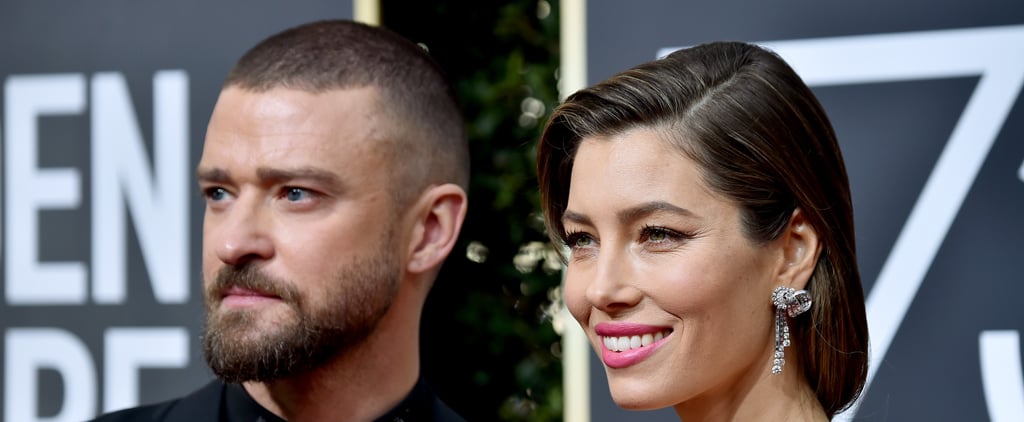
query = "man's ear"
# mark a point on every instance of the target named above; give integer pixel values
(437, 228)
(800, 250)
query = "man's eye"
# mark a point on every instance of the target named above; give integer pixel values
(296, 194)
(216, 194)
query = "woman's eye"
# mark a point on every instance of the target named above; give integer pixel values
(578, 240)
(658, 235)
(661, 234)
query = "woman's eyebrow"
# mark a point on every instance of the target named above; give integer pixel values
(652, 207)
(632, 213)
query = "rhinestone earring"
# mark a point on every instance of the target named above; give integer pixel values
(791, 302)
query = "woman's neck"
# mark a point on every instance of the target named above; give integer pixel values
(758, 397)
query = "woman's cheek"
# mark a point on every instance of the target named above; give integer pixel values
(576, 300)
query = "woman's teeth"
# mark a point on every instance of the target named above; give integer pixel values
(621, 344)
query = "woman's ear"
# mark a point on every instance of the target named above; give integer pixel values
(437, 229)
(800, 247)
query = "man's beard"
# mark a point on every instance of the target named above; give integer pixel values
(240, 346)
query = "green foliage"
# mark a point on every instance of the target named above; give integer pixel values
(488, 344)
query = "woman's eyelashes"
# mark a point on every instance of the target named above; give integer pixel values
(578, 239)
(660, 235)
(647, 236)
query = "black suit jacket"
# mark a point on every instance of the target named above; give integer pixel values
(208, 404)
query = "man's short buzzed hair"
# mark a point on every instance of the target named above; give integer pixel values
(423, 122)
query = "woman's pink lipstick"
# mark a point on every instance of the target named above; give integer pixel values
(626, 344)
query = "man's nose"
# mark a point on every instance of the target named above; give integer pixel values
(240, 233)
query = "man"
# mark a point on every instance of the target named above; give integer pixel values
(335, 170)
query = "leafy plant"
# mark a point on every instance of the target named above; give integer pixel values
(489, 343)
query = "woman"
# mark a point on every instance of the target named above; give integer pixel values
(706, 211)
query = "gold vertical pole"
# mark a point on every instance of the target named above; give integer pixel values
(367, 11)
(575, 347)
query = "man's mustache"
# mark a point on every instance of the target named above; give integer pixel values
(250, 277)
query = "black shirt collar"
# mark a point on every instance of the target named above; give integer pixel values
(239, 406)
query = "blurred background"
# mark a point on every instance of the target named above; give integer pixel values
(490, 342)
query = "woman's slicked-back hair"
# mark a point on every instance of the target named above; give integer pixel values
(425, 122)
(761, 139)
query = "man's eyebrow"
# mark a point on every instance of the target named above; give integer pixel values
(266, 174)
(213, 175)
(272, 175)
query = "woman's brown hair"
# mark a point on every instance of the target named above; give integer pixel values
(761, 139)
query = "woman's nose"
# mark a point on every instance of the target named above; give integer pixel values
(612, 286)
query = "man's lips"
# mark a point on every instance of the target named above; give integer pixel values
(238, 296)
